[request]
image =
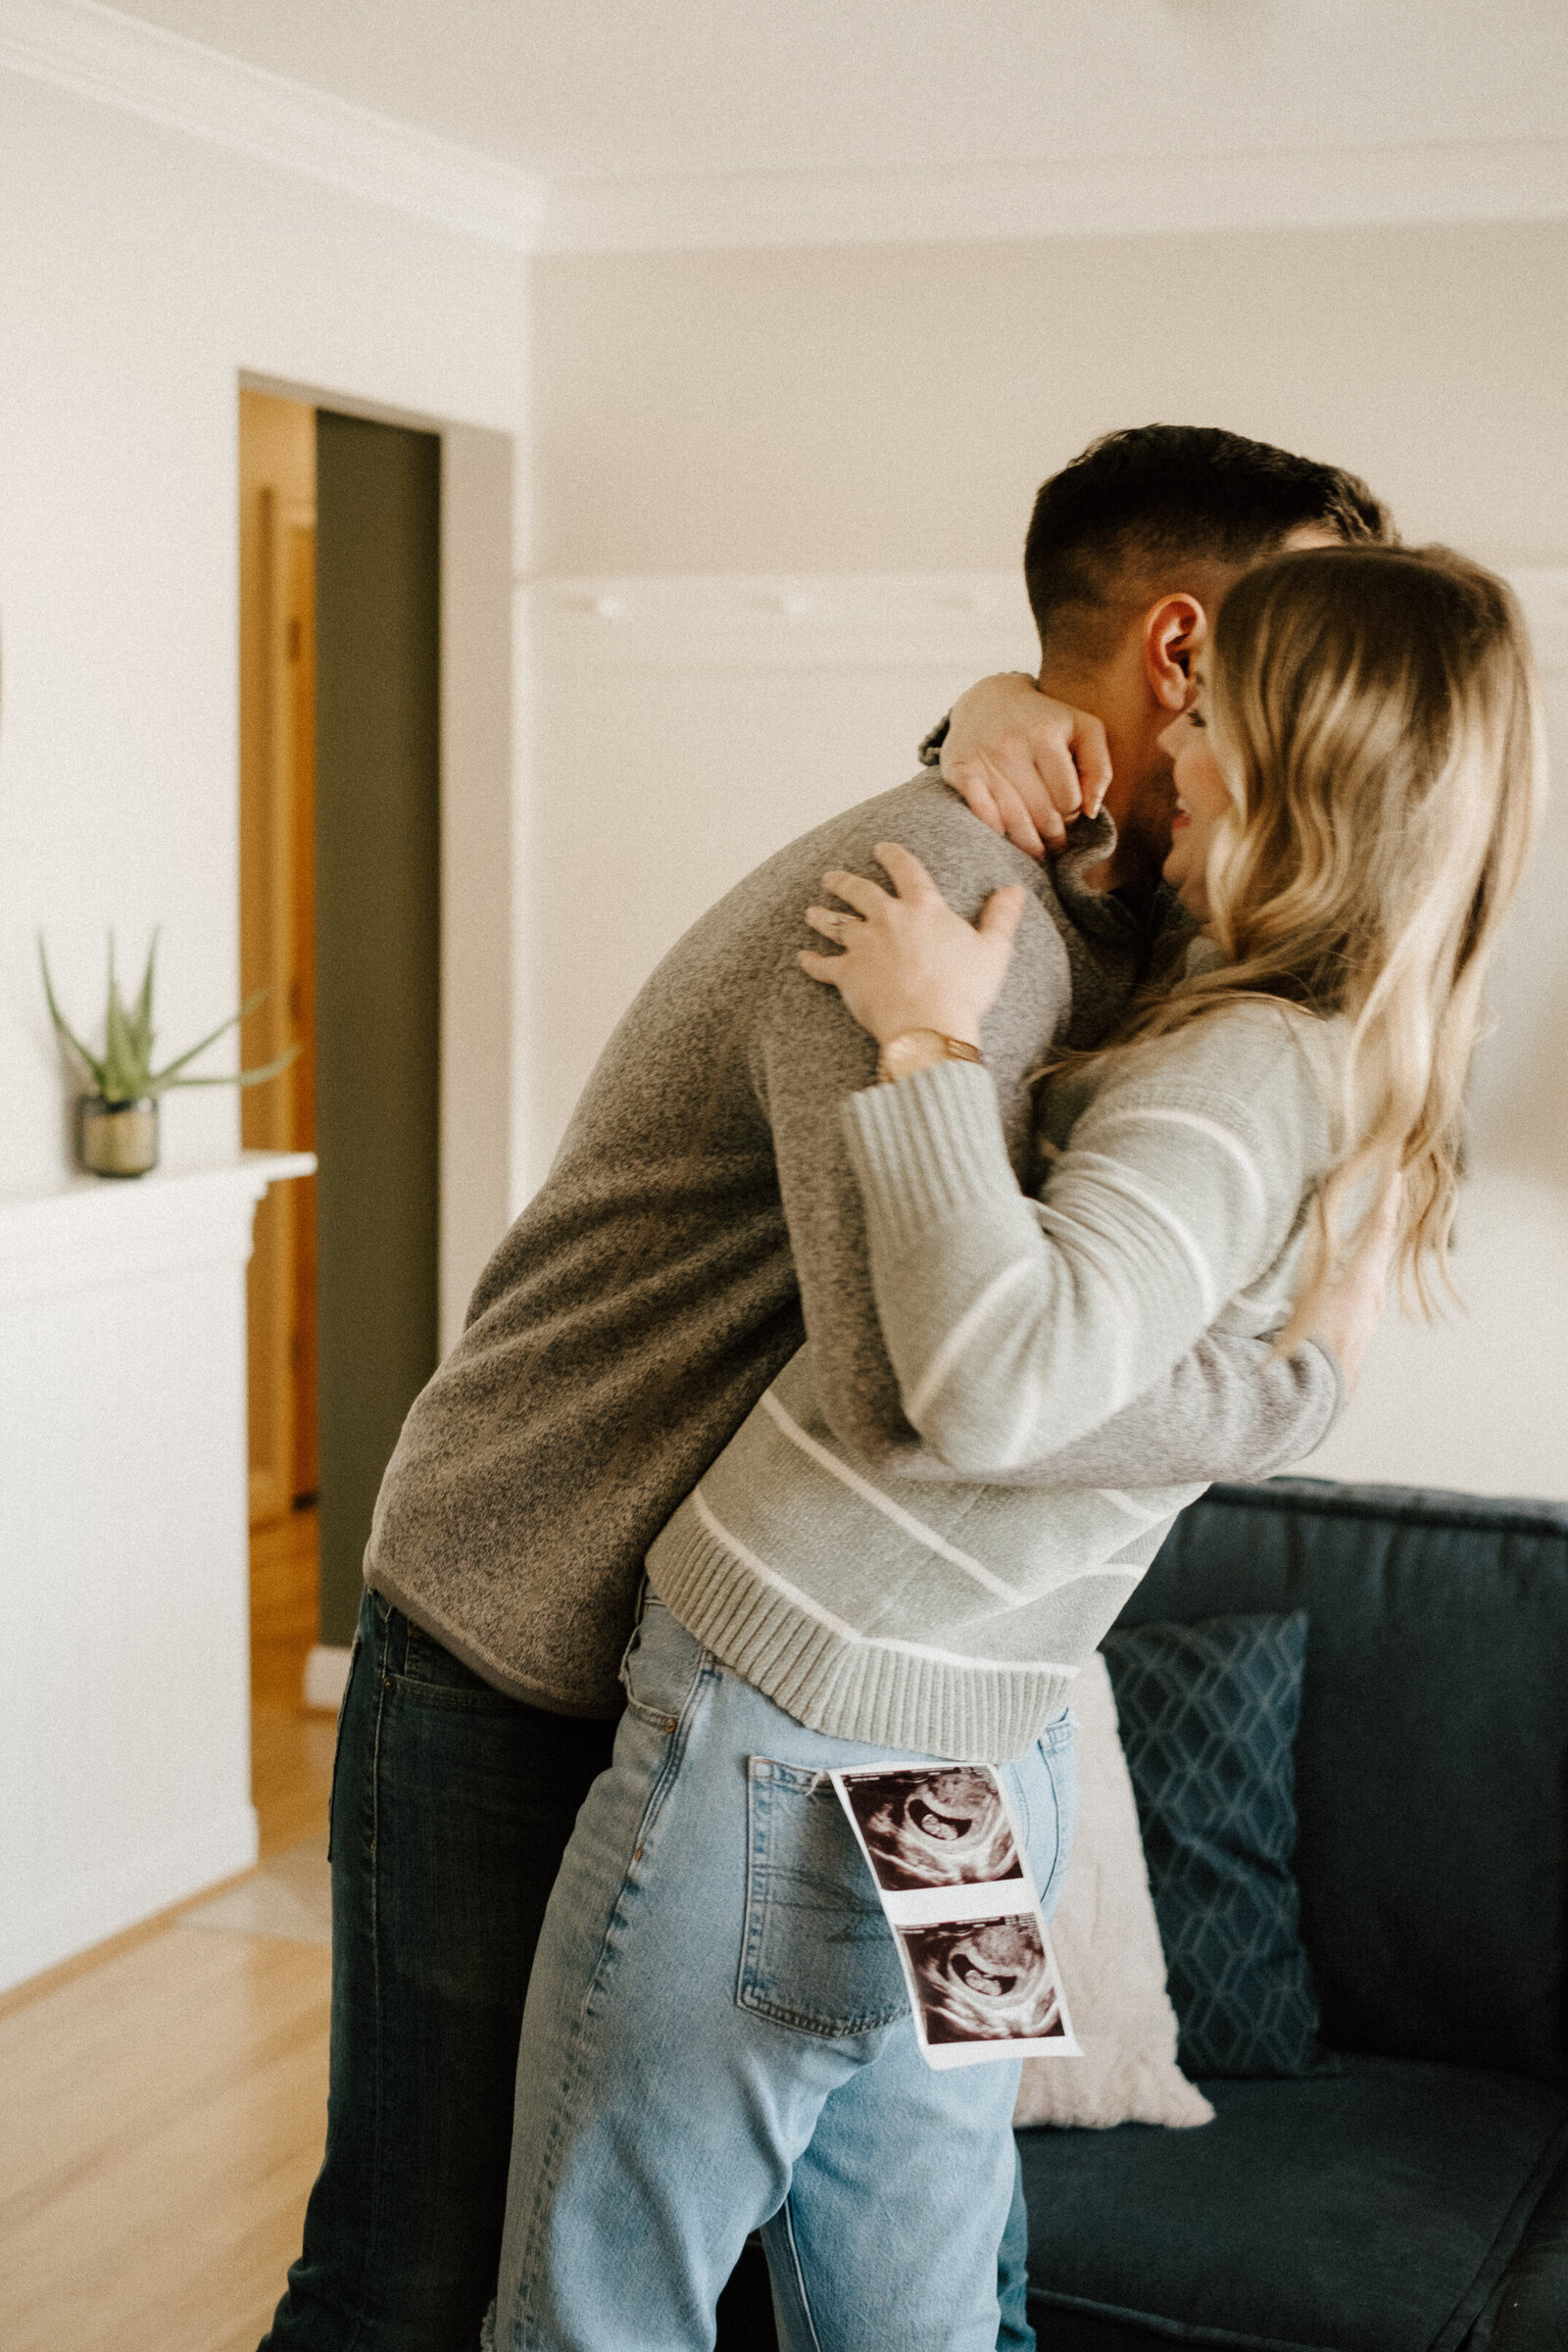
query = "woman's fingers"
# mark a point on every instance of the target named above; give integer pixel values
(854, 890)
(1025, 764)
(981, 803)
(913, 961)
(1351, 1305)
(1001, 913)
(832, 922)
(909, 877)
(1020, 826)
(1091, 756)
(911, 881)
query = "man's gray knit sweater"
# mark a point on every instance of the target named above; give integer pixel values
(702, 1218)
(953, 1620)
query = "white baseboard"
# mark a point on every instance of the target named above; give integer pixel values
(39, 1936)
(326, 1674)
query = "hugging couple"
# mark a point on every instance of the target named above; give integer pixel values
(940, 1219)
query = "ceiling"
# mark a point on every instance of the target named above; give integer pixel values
(607, 88)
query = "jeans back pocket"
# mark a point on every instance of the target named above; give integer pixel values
(817, 1954)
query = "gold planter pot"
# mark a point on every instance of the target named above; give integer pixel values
(117, 1139)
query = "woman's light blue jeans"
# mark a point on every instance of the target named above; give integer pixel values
(717, 2039)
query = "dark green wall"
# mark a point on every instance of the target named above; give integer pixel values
(377, 963)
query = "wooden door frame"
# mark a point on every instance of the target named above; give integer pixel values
(276, 883)
(480, 892)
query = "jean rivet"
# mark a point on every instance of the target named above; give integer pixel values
(638, 1855)
(671, 1723)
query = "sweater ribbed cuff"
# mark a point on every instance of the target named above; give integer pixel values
(1341, 1395)
(928, 1148)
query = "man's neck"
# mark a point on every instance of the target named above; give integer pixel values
(1129, 869)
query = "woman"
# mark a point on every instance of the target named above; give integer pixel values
(717, 2034)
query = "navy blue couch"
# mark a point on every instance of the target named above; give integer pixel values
(1412, 2195)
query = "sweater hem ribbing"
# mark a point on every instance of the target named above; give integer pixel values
(840, 1683)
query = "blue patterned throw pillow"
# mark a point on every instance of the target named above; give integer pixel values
(1208, 1715)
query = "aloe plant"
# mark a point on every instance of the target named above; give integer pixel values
(123, 1072)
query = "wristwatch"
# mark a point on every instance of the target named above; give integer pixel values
(916, 1049)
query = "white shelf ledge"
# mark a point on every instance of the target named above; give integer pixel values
(801, 621)
(93, 1230)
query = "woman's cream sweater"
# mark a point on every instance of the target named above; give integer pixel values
(951, 1618)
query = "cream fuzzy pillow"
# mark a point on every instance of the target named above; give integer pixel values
(1108, 1951)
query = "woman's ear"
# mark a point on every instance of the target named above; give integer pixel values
(1175, 632)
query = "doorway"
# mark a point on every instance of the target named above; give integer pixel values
(278, 954)
(378, 966)
(340, 826)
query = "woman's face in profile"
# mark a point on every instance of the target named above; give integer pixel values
(1202, 800)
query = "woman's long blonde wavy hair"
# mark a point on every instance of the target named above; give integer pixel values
(1374, 713)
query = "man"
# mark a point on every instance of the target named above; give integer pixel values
(699, 1216)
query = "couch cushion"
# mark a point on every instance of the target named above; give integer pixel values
(1369, 2210)
(1208, 1714)
(1529, 2309)
(1108, 1947)
(1432, 1762)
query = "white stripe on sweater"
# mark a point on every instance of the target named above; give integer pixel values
(1225, 1137)
(874, 1495)
(1120, 1181)
(1134, 1510)
(811, 1607)
(959, 1338)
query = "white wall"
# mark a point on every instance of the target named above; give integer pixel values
(141, 272)
(893, 408)
(717, 429)
(481, 1028)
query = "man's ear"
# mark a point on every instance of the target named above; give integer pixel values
(1175, 632)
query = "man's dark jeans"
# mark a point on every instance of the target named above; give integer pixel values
(451, 1809)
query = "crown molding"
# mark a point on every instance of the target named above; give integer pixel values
(976, 621)
(182, 85)
(1088, 196)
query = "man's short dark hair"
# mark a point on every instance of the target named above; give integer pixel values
(1106, 527)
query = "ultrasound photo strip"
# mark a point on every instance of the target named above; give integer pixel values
(948, 1861)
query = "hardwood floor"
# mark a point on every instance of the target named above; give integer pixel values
(284, 1605)
(165, 2098)
(291, 1774)
(173, 2104)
